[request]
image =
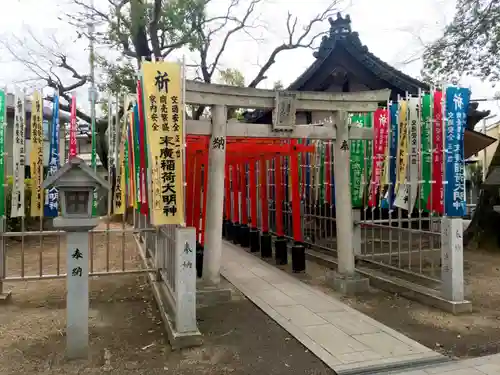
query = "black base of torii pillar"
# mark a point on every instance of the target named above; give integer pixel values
(254, 237)
(266, 248)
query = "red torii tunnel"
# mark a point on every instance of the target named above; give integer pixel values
(246, 189)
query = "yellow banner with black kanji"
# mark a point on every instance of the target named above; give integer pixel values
(119, 194)
(36, 155)
(163, 109)
(402, 160)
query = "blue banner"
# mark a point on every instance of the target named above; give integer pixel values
(388, 200)
(51, 206)
(457, 105)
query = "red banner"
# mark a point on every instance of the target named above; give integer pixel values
(72, 129)
(381, 132)
(142, 152)
(131, 163)
(328, 164)
(435, 203)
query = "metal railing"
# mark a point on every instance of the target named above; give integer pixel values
(38, 255)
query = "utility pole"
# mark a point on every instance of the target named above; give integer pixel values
(92, 97)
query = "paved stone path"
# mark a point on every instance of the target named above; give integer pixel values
(345, 339)
(489, 365)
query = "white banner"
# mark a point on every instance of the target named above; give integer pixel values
(407, 194)
(18, 156)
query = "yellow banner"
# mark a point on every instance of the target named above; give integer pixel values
(163, 108)
(403, 144)
(384, 179)
(36, 155)
(119, 196)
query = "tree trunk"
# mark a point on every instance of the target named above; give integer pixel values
(484, 226)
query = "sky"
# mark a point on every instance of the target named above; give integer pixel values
(394, 30)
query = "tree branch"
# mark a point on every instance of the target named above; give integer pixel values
(153, 29)
(240, 25)
(304, 40)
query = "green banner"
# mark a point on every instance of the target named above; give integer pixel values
(357, 164)
(3, 124)
(425, 151)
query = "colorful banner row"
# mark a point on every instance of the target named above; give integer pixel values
(415, 149)
(151, 146)
(42, 204)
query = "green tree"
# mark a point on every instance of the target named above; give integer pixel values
(470, 45)
(137, 30)
(233, 77)
(278, 85)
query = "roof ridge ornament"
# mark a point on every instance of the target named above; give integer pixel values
(340, 29)
(340, 26)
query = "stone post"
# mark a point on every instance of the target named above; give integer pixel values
(77, 294)
(345, 280)
(215, 197)
(185, 281)
(452, 259)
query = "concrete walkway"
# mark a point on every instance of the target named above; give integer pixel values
(345, 339)
(489, 365)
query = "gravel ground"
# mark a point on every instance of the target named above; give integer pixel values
(126, 333)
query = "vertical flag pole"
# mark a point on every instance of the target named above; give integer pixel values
(93, 99)
(3, 124)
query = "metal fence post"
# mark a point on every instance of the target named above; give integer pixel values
(356, 232)
(3, 257)
(159, 252)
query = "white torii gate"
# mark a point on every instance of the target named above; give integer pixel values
(285, 105)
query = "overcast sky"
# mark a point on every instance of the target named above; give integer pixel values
(392, 29)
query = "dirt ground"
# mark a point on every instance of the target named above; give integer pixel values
(467, 335)
(126, 332)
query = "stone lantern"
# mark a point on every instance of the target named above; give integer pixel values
(76, 182)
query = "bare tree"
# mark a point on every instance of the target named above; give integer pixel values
(48, 63)
(138, 30)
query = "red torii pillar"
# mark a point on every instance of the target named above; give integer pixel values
(244, 239)
(235, 234)
(227, 203)
(298, 249)
(280, 244)
(254, 231)
(243, 229)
